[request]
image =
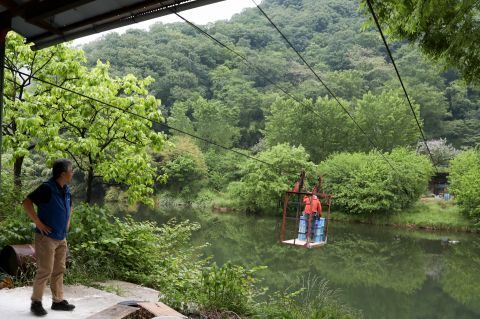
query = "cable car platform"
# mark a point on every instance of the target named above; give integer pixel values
(302, 215)
(303, 243)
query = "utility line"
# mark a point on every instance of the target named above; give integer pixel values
(259, 71)
(326, 87)
(401, 82)
(141, 116)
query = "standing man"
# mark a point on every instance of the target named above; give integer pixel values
(52, 220)
(313, 208)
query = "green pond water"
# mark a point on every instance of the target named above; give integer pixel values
(384, 272)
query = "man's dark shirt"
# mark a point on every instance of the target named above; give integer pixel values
(43, 193)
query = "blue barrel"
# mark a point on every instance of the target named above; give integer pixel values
(318, 234)
(302, 228)
(322, 221)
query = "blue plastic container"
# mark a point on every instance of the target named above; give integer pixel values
(302, 228)
(318, 230)
(322, 221)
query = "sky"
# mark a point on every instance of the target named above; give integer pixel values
(223, 10)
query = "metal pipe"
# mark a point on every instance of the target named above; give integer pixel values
(3, 40)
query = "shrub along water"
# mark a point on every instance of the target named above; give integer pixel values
(464, 182)
(261, 185)
(364, 183)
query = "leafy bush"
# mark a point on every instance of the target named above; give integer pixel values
(184, 167)
(314, 301)
(141, 252)
(223, 168)
(366, 184)
(228, 287)
(464, 182)
(16, 228)
(262, 185)
(205, 199)
(10, 196)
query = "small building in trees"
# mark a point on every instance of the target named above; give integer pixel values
(439, 183)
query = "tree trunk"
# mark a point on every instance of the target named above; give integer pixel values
(17, 173)
(89, 185)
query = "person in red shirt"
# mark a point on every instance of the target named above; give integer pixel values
(313, 207)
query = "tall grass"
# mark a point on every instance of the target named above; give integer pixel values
(315, 300)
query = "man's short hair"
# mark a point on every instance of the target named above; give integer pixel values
(60, 166)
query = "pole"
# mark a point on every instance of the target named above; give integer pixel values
(3, 38)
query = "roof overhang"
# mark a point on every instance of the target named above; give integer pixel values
(49, 22)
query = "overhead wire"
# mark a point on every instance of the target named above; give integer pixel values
(369, 138)
(401, 82)
(141, 116)
(260, 71)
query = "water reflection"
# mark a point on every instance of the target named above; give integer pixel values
(385, 272)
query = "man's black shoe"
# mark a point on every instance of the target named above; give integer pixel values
(62, 305)
(37, 309)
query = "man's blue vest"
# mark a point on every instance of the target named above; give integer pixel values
(56, 212)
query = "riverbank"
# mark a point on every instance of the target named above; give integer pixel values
(428, 213)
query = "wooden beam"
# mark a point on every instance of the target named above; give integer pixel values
(14, 10)
(114, 312)
(49, 8)
(151, 8)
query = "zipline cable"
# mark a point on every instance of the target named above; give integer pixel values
(401, 82)
(248, 63)
(141, 116)
(374, 144)
(260, 72)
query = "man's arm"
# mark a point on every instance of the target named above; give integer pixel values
(28, 207)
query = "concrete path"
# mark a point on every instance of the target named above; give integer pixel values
(15, 303)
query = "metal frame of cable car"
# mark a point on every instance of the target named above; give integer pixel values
(325, 199)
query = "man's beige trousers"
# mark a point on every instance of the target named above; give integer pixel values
(51, 255)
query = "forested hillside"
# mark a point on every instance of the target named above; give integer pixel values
(207, 90)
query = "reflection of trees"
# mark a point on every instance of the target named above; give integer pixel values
(379, 270)
(387, 303)
(358, 259)
(354, 260)
(461, 276)
(394, 264)
(433, 300)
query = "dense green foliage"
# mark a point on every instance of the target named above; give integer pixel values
(105, 141)
(464, 182)
(102, 141)
(428, 213)
(447, 31)
(29, 120)
(323, 128)
(350, 60)
(16, 228)
(315, 301)
(261, 186)
(207, 91)
(227, 288)
(367, 184)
